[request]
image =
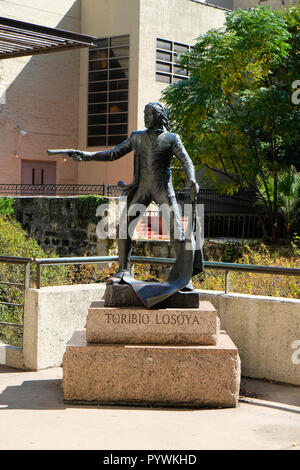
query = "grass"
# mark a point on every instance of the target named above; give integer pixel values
(256, 283)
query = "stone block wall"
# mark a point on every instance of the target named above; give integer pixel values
(68, 225)
(60, 224)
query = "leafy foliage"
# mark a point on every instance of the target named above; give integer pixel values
(88, 206)
(235, 113)
(14, 241)
(6, 206)
(256, 283)
(288, 189)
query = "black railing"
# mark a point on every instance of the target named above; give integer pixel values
(214, 200)
(58, 189)
(227, 216)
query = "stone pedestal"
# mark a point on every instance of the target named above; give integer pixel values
(166, 356)
(138, 325)
(151, 374)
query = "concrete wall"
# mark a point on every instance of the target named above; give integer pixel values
(266, 330)
(175, 20)
(40, 94)
(51, 315)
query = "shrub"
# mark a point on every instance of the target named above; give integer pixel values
(256, 283)
(88, 206)
(6, 206)
(14, 241)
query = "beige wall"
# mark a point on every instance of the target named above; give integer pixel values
(144, 20)
(266, 331)
(46, 95)
(41, 93)
(51, 315)
(175, 20)
(104, 18)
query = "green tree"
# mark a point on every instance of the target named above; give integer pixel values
(235, 113)
(288, 197)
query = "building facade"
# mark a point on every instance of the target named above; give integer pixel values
(92, 98)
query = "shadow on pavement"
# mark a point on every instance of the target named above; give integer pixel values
(260, 392)
(33, 395)
(46, 394)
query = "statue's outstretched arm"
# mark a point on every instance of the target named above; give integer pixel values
(101, 156)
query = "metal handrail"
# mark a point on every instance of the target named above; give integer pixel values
(25, 262)
(39, 262)
(155, 260)
(76, 260)
(15, 260)
(254, 268)
(227, 267)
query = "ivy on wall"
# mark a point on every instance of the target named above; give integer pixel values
(87, 206)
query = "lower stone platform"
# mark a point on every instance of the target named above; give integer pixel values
(189, 376)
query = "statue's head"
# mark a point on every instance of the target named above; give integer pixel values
(155, 116)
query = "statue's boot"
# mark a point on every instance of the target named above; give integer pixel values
(188, 288)
(124, 270)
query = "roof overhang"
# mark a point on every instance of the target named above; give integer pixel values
(18, 38)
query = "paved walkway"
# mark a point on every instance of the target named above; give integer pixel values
(33, 416)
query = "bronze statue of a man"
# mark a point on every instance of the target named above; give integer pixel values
(154, 149)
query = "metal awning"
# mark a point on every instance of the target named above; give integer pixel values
(18, 38)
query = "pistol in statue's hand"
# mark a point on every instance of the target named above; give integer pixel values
(194, 190)
(77, 155)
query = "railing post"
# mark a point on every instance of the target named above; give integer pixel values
(227, 281)
(38, 276)
(27, 276)
(132, 270)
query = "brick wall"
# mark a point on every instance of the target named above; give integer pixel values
(40, 94)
